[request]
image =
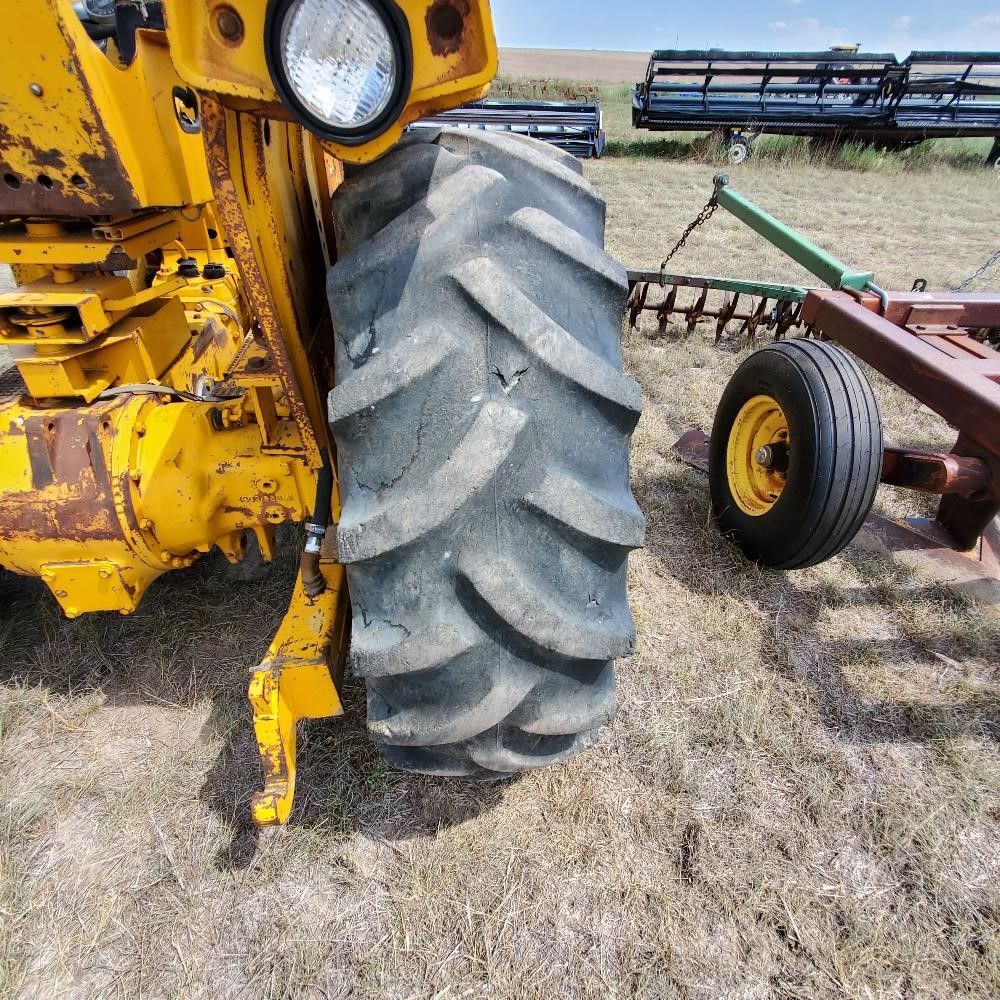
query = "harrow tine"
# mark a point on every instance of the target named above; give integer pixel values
(668, 302)
(788, 316)
(798, 315)
(745, 325)
(726, 313)
(636, 301)
(696, 311)
(753, 321)
(662, 319)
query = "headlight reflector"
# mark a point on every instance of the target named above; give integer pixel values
(339, 63)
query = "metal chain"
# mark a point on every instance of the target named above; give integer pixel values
(993, 259)
(702, 217)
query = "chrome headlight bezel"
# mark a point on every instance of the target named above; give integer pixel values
(398, 32)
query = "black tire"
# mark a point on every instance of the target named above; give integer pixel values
(482, 423)
(834, 458)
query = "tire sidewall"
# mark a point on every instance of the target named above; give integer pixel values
(788, 523)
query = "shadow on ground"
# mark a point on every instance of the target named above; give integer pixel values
(194, 639)
(707, 564)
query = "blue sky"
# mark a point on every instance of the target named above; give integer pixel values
(642, 25)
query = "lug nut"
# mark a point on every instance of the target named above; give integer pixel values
(764, 455)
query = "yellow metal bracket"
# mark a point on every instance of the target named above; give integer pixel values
(21, 243)
(297, 680)
(161, 288)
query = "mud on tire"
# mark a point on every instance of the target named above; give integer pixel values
(482, 423)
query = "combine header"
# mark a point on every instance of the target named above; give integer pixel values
(573, 126)
(859, 96)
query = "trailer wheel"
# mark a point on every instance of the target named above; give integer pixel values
(796, 453)
(740, 150)
(482, 422)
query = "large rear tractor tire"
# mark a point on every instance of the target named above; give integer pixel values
(482, 423)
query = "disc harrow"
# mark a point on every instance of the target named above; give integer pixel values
(752, 304)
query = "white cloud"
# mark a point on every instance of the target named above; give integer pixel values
(811, 31)
(987, 21)
(903, 23)
(777, 25)
(794, 3)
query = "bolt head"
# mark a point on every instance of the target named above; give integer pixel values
(229, 24)
(762, 456)
(36, 89)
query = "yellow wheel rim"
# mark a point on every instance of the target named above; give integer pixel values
(756, 455)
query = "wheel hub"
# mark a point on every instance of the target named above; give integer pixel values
(757, 455)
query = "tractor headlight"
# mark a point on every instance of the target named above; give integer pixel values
(342, 66)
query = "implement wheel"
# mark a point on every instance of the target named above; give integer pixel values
(740, 150)
(482, 423)
(796, 454)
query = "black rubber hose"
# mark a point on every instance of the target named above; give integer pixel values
(313, 581)
(324, 492)
(98, 32)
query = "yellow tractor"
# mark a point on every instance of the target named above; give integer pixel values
(246, 296)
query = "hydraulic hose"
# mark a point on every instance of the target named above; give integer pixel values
(313, 581)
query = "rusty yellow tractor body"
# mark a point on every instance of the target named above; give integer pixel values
(166, 215)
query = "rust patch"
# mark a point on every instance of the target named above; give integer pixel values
(38, 459)
(445, 22)
(211, 332)
(50, 158)
(71, 496)
(241, 241)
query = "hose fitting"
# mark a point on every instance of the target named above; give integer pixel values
(313, 581)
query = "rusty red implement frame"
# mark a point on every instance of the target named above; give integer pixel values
(934, 346)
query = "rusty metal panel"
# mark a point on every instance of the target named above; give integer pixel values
(265, 247)
(81, 135)
(957, 391)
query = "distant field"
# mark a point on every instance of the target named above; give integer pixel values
(594, 65)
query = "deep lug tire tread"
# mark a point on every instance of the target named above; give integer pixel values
(482, 423)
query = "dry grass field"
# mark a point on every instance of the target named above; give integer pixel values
(596, 65)
(800, 796)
